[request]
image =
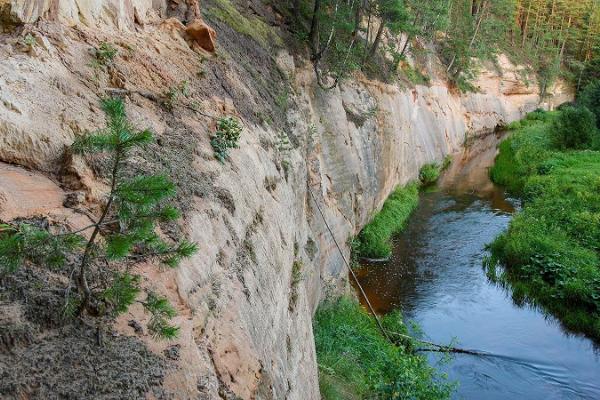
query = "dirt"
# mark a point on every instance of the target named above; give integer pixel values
(68, 364)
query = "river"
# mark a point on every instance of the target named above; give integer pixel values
(436, 278)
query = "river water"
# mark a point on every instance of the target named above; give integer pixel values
(436, 278)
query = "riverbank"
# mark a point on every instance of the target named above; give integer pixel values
(550, 249)
(357, 362)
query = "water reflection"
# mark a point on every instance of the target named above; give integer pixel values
(435, 277)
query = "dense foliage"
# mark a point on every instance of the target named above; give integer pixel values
(553, 36)
(98, 284)
(550, 250)
(575, 128)
(357, 362)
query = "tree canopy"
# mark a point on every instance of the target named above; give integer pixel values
(555, 37)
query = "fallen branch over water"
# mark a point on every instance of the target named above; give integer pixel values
(438, 347)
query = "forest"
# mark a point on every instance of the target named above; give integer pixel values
(555, 38)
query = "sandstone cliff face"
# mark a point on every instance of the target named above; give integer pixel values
(245, 315)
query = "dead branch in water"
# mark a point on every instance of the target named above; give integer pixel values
(438, 347)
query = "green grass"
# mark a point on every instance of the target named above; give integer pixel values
(357, 362)
(374, 241)
(551, 249)
(430, 173)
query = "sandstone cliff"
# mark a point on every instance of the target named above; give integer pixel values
(246, 321)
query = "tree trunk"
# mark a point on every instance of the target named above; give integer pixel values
(314, 29)
(377, 38)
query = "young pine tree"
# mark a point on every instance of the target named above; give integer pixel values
(125, 229)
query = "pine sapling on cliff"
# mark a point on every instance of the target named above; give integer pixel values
(99, 284)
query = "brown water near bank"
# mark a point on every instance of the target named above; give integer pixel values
(436, 278)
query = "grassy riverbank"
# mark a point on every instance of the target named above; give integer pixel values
(374, 241)
(357, 362)
(551, 249)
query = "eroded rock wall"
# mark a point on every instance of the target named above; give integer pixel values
(266, 258)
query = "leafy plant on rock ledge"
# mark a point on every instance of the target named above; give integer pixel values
(226, 137)
(98, 284)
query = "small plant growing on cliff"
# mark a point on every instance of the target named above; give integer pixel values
(174, 93)
(104, 55)
(125, 229)
(29, 40)
(226, 137)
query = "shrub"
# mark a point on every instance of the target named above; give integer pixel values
(590, 98)
(539, 114)
(429, 173)
(226, 137)
(575, 128)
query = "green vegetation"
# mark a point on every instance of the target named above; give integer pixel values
(226, 137)
(104, 287)
(357, 362)
(430, 173)
(374, 240)
(551, 249)
(575, 128)
(589, 97)
(554, 38)
(174, 93)
(104, 55)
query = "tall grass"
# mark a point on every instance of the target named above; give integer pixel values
(374, 241)
(357, 362)
(551, 249)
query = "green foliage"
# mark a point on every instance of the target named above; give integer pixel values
(429, 173)
(226, 137)
(161, 312)
(127, 223)
(22, 241)
(174, 93)
(414, 75)
(590, 98)
(121, 293)
(374, 240)
(551, 250)
(575, 128)
(29, 40)
(356, 362)
(104, 55)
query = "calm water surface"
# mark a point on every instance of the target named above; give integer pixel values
(436, 278)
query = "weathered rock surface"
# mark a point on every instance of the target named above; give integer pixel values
(245, 322)
(202, 34)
